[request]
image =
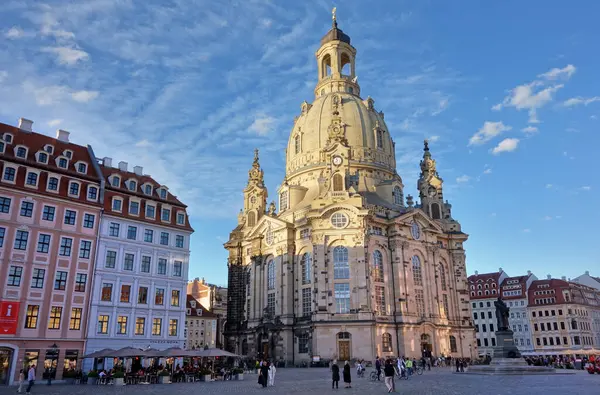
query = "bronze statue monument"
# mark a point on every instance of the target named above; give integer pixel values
(502, 315)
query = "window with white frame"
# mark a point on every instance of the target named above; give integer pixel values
(398, 196)
(271, 274)
(271, 304)
(134, 208)
(341, 267)
(81, 168)
(306, 302)
(8, 138)
(150, 211)
(132, 185)
(68, 153)
(73, 188)
(163, 193)
(21, 152)
(165, 214)
(148, 189)
(49, 149)
(42, 157)
(380, 299)
(283, 201)
(115, 181)
(342, 298)
(420, 302)
(180, 218)
(417, 273)
(52, 184)
(377, 270)
(10, 174)
(92, 192)
(117, 204)
(306, 264)
(339, 220)
(63, 163)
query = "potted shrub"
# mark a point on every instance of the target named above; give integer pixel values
(205, 375)
(69, 376)
(238, 373)
(164, 377)
(92, 377)
(119, 377)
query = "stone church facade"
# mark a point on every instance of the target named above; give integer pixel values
(346, 267)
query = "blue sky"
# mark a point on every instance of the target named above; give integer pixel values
(506, 91)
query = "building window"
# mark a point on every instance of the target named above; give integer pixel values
(128, 261)
(88, 221)
(342, 298)
(420, 301)
(173, 327)
(379, 138)
(134, 208)
(60, 281)
(442, 274)
(21, 152)
(179, 241)
(14, 276)
(164, 238)
(122, 325)
(339, 220)
(143, 295)
(165, 214)
(116, 182)
(386, 342)
(102, 324)
(445, 305)
(70, 217)
(338, 182)
(283, 201)
(177, 268)
(175, 298)
(163, 193)
(341, 268)
(271, 275)
(156, 326)
(271, 304)
(453, 347)
(125, 293)
(92, 193)
(380, 299)
(148, 189)
(180, 219)
(21, 240)
(297, 142)
(55, 315)
(113, 229)
(117, 204)
(80, 282)
(159, 296)
(306, 302)
(377, 270)
(398, 196)
(162, 266)
(107, 292)
(85, 249)
(148, 235)
(111, 259)
(132, 185)
(140, 326)
(75, 323)
(4, 205)
(417, 274)
(303, 343)
(9, 174)
(2, 234)
(305, 264)
(31, 317)
(131, 232)
(53, 184)
(43, 245)
(65, 246)
(73, 189)
(26, 209)
(32, 179)
(37, 280)
(150, 211)
(48, 213)
(146, 263)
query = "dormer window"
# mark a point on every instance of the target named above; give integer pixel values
(81, 168)
(199, 313)
(2, 145)
(42, 157)
(68, 154)
(21, 152)
(180, 219)
(148, 189)
(380, 138)
(63, 163)
(49, 149)
(132, 185)
(163, 193)
(193, 304)
(116, 182)
(8, 138)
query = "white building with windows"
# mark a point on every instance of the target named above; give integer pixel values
(140, 280)
(514, 293)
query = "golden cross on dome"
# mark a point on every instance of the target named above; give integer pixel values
(333, 16)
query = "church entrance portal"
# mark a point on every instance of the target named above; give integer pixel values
(343, 340)
(426, 346)
(6, 356)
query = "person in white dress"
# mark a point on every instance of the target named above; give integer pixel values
(272, 371)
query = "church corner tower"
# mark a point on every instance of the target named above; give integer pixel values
(345, 268)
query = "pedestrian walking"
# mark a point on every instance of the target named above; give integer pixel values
(30, 378)
(335, 375)
(21, 380)
(272, 371)
(347, 377)
(378, 367)
(389, 372)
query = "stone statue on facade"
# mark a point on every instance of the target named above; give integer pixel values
(502, 315)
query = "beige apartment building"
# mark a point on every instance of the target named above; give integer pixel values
(200, 326)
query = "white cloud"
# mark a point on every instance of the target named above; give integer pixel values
(547, 218)
(68, 56)
(557, 73)
(84, 96)
(526, 230)
(497, 107)
(143, 143)
(488, 131)
(575, 101)
(506, 145)
(55, 122)
(487, 171)
(263, 125)
(530, 129)
(14, 32)
(266, 23)
(433, 139)
(442, 105)
(549, 186)
(463, 179)
(586, 188)
(572, 130)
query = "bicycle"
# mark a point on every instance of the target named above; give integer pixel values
(419, 370)
(373, 375)
(360, 373)
(401, 374)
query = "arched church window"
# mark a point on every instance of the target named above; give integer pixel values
(346, 64)
(377, 272)
(442, 277)
(453, 347)
(283, 201)
(251, 219)
(417, 273)
(435, 211)
(306, 263)
(386, 342)
(379, 138)
(341, 268)
(297, 144)
(338, 182)
(398, 196)
(271, 275)
(326, 66)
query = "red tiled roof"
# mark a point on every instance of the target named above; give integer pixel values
(194, 310)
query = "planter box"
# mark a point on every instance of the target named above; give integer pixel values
(69, 380)
(92, 380)
(164, 379)
(119, 381)
(239, 376)
(205, 377)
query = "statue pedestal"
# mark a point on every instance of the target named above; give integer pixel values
(507, 359)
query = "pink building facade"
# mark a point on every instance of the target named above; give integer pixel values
(50, 209)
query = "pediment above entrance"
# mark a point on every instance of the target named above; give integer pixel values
(265, 224)
(417, 215)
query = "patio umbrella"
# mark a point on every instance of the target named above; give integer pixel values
(215, 352)
(100, 354)
(127, 352)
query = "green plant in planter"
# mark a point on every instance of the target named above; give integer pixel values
(205, 372)
(164, 373)
(118, 374)
(238, 371)
(93, 374)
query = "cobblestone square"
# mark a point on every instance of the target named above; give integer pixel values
(317, 381)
